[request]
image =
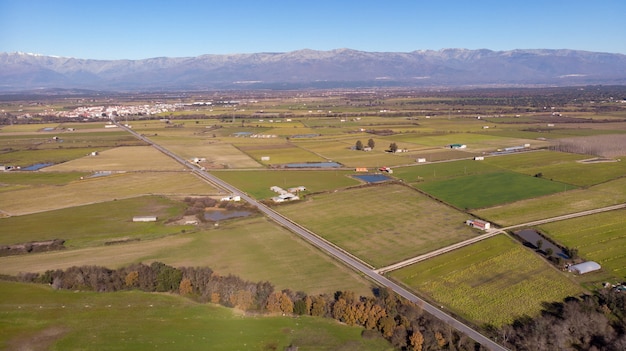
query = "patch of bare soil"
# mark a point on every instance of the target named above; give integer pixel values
(185, 220)
(41, 340)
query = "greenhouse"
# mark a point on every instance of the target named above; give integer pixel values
(585, 267)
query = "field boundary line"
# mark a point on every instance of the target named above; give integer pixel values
(568, 216)
(438, 252)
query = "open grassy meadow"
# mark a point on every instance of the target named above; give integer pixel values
(39, 178)
(428, 172)
(571, 201)
(380, 224)
(340, 151)
(599, 237)
(490, 282)
(280, 153)
(40, 198)
(490, 189)
(253, 248)
(96, 224)
(258, 183)
(217, 155)
(34, 317)
(135, 158)
(561, 167)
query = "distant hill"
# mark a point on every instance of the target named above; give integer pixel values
(316, 69)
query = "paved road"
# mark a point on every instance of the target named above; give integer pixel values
(331, 249)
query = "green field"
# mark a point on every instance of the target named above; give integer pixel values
(258, 183)
(39, 178)
(254, 248)
(600, 237)
(380, 224)
(561, 167)
(281, 153)
(486, 190)
(428, 172)
(93, 225)
(34, 317)
(490, 282)
(572, 201)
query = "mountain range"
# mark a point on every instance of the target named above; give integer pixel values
(316, 69)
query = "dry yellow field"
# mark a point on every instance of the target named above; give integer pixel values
(99, 189)
(216, 154)
(130, 158)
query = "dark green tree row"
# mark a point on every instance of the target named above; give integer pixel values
(401, 322)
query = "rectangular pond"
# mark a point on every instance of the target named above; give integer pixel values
(372, 178)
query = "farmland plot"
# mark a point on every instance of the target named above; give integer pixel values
(560, 166)
(95, 224)
(600, 237)
(281, 153)
(490, 282)
(258, 183)
(252, 248)
(101, 189)
(572, 201)
(340, 151)
(381, 224)
(42, 318)
(135, 158)
(485, 190)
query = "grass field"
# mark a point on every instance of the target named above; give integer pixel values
(280, 153)
(600, 237)
(258, 183)
(339, 151)
(34, 317)
(220, 155)
(490, 282)
(101, 189)
(490, 189)
(39, 178)
(381, 224)
(602, 195)
(25, 158)
(442, 170)
(94, 225)
(135, 158)
(561, 167)
(253, 248)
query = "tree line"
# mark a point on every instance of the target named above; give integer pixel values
(403, 323)
(590, 322)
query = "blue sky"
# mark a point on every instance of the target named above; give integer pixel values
(139, 29)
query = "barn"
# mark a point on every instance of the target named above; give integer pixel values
(585, 267)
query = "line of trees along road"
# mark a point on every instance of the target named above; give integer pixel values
(400, 321)
(591, 322)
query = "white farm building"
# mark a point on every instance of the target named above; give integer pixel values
(584, 267)
(477, 223)
(144, 219)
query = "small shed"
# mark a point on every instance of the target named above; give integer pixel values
(144, 219)
(585, 267)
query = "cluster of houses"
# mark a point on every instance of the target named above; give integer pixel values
(286, 195)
